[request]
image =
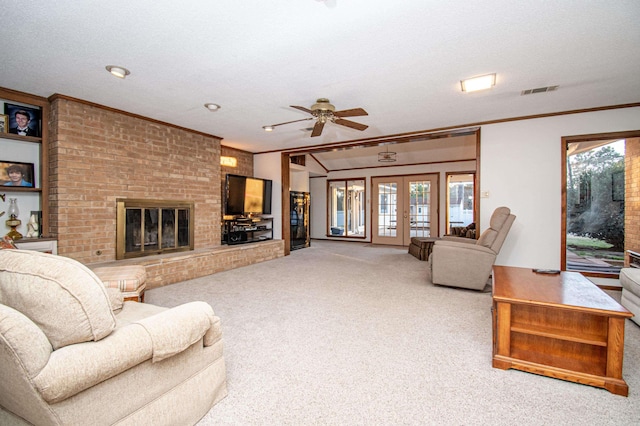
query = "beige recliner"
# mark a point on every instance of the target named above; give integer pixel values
(467, 263)
(73, 353)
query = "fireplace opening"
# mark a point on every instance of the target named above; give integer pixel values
(149, 227)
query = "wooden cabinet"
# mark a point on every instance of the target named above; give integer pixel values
(27, 151)
(558, 325)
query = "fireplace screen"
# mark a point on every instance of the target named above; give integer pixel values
(146, 227)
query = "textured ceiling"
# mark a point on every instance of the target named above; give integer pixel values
(402, 61)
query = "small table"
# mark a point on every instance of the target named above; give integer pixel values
(558, 325)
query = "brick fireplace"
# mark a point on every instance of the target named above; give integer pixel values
(150, 227)
(98, 155)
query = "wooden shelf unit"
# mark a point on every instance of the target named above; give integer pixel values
(41, 186)
(561, 326)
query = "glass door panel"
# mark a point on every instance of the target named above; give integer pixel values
(355, 208)
(460, 201)
(385, 211)
(346, 208)
(420, 208)
(404, 207)
(336, 207)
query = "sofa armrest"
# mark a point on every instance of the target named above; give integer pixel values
(456, 239)
(461, 265)
(461, 243)
(174, 330)
(77, 367)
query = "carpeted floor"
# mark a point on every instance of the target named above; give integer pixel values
(354, 334)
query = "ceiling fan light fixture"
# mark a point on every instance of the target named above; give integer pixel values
(322, 104)
(386, 156)
(481, 82)
(120, 72)
(212, 107)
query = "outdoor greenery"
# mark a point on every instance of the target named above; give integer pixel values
(595, 196)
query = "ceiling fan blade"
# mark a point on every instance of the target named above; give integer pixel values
(307, 110)
(317, 129)
(355, 112)
(352, 124)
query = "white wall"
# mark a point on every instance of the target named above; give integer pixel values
(299, 178)
(267, 166)
(520, 167)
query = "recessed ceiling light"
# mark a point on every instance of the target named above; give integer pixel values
(119, 72)
(212, 107)
(481, 82)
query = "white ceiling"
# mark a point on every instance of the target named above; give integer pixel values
(402, 61)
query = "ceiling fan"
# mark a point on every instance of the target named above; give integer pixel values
(323, 111)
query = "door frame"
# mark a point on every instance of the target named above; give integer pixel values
(403, 232)
(565, 141)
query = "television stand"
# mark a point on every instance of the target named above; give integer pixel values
(242, 230)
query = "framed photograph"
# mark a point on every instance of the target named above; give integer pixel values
(23, 120)
(4, 123)
(16, 174)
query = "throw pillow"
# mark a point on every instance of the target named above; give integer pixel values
(7, 243)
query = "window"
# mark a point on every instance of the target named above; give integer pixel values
(460, 200)
(595, 206)
(347, 208)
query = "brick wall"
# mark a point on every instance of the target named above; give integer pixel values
(245, 162)
(172, 268)
(98, 154)
(632, 196)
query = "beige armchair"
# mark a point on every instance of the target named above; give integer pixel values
(467, 263)
(73, 353)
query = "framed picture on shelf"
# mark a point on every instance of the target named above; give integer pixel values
(23, 120)
(4, 123)
(13, 173)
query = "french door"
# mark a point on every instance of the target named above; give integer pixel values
(404, 207)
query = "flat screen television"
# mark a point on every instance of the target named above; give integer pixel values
(247, 196)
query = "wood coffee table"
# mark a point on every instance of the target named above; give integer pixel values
(558, 325)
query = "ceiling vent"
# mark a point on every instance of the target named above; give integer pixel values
(539, 90)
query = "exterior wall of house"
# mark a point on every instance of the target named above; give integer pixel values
(99, 154)
(632, 196)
